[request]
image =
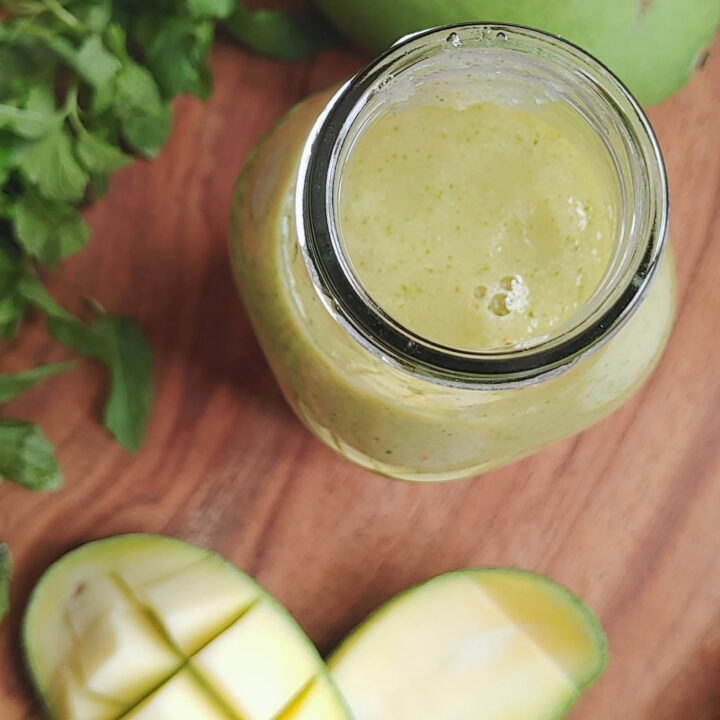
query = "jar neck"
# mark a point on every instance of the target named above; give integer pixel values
(519, 67)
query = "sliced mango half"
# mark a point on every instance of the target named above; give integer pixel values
(486, 644)
(145, 627)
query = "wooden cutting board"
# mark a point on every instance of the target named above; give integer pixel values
(626, 514)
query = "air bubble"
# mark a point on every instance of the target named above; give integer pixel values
(454, 39)
(479, 292)
(509, 282)
(498, 305)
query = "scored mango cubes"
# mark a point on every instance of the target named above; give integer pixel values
(151, 628)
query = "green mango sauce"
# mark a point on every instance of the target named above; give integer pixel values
(476, 228)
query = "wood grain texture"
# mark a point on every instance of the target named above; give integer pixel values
(626, 514)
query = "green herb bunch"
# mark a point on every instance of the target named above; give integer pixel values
(86, 86)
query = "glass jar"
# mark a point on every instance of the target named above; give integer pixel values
(382, 396)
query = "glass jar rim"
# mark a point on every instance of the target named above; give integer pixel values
(342, 293)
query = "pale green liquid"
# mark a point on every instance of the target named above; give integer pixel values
(476, 228)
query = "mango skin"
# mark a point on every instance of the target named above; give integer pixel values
(653, 46)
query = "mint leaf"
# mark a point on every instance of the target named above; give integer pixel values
(178, 55)
(77, 336)
(12, 311)
(62, 325)
(27, 458)
(99, 185)
(14, 384)
(12, 304)
(100, 156)
(5, 577)
(41, 99)
(116, 36)
(11, 264)
(34, 116)
(64, 49)
(279, 34)
(121, 346)
(91, 61)
(118, 343)
(48, 230)
(33, 292)
(130, 361)
(6, 161)
(95, 15)
(95, 63)
(25, 59)
(28, 123)
(144, 118)
(211, 8)
(50, 164)
(146, 133)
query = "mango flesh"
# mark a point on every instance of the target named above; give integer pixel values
(123, 656)
(195, 602)
(316, 702)
(653, 46)
(462, 645)
(182, 696)
(237, 663)
(145, 627)
(72, 698)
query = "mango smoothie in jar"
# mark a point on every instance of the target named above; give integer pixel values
(460, 256)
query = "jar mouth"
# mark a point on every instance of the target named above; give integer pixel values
(573, 78)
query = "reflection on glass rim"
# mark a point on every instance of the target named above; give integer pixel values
(577, 80)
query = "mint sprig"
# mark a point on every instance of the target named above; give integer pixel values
(14, 384)
(86, 86)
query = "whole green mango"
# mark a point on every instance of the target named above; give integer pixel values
(652, 45)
